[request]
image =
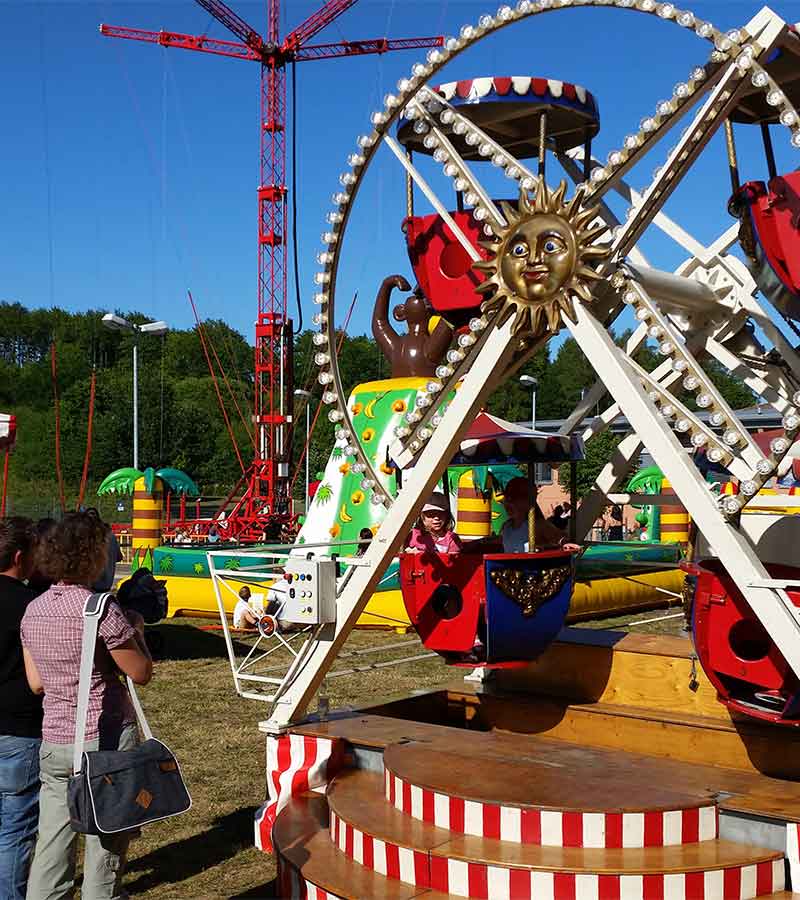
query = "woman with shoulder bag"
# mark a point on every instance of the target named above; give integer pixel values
(75, 553)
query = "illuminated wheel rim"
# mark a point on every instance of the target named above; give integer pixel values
(731, 61)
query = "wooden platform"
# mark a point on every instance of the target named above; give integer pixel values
(603, 770)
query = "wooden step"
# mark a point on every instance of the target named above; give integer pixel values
(554, 796)
(367, 829)
(309, 864)
(748, 792)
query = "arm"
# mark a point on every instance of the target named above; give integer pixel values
(133, 659)
(387, 338)
(32, 673)
(439, 341)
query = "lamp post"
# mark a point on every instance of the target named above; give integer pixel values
(532, 384)
(307, 396)
(117, 323)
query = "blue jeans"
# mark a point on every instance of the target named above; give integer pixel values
(19, 811)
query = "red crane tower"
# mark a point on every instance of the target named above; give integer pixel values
(265, 498)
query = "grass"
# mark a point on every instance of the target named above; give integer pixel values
(193, 708)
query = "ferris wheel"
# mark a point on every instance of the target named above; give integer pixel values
(557, 257)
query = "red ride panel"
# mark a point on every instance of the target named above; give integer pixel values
(441, 265)
(737, 654)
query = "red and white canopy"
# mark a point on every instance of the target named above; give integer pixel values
(8, 431)
(491, 439)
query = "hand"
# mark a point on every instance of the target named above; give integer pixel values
(135, 619)
(572, 548)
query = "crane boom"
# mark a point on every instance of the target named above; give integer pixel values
(315, 23)
(201, 43)
(234, 23)
(361, 48)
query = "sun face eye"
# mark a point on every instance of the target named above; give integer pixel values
(554, 245)
(519, 249)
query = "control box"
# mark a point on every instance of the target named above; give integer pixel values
(306, 591)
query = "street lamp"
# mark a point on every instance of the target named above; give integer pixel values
(307, 396)
(531, 383)
(117, 323)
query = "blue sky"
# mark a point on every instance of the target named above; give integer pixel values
(129, 171)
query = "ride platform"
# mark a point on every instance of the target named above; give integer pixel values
(605, 769)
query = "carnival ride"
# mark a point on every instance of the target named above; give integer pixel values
(513, 814)
(552, 261)
(8, 439)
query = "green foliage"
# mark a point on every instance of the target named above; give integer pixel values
(166, 564)
(198, 568)
(191, 436)
(232, 565)
(599, 451)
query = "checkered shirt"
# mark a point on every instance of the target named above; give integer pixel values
(52, 632)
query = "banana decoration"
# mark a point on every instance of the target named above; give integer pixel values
(343, 514)
(369, 409)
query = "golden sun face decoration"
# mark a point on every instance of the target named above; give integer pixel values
(542, 260)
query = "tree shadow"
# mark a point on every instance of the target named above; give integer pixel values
(266, 891)
(183, 641)
(188, 857)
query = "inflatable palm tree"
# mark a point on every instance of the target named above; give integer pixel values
(148, 504)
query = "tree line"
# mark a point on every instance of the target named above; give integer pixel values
(180, 423)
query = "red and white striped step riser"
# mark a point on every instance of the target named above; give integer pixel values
(553, 828)
(487, 882)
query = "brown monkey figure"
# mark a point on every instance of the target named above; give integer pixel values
(418, 353)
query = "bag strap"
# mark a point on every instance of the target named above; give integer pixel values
(92, 612)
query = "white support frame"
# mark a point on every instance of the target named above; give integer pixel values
(495, 353)
(772, 606)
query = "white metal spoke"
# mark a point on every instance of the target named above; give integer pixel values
(671, 345)
(430, 194)
(707, 121)
(455, 167)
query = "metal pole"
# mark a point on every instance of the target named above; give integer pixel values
(135, 402)
(533, 409)
(308, 451)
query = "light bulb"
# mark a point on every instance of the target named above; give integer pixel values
(791, 422)
(655, 331)
(666, 348)
(760, 79)
(349, 450)
(691, 382)
(764, 467)
(424, 434)
(334, 217)
(320, 298)
(322, 277)
(422, 401)
(465, 340)
(704, 401)
(320, 339)
(358, 468)
(367, 484)
(680, 365)
(335, 415)
(749, 488)
(377, 500)
(683, 425)
(401, 431)
(328, 397)
(433, 387)
(731, 437)
(321, 359)
(681, 90)
(477, 324)
(779, 446)
(454, 356)
(731, 505)
(443, 372)
(699, 439)
(668, 411)
(325, 378)
(716, 419)
(447, 116)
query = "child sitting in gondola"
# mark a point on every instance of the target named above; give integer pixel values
(434, 533)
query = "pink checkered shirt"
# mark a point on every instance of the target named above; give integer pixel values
(52, 632)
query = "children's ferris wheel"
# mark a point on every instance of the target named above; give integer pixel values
(559, 258)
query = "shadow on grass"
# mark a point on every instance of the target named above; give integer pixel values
(181, 860)
(262, 892)
(177, 641)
